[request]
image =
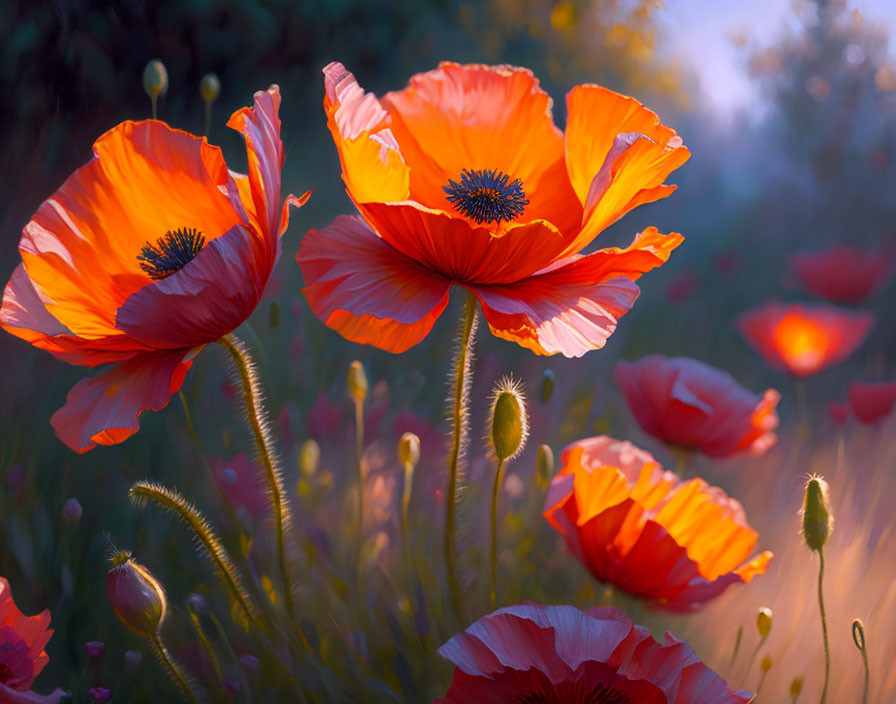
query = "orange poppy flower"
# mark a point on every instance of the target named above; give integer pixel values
(843, 274)
(803, 339)
(872, 402)
(463, 178)
(144, 255)
(22, 656)
(677, 544)
(690, 404)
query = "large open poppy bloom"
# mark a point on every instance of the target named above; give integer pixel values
(560, 655)
(872, 402)
(803, 339)
(690, 404)
(677, 544)
(150, 251)
(463, 178)
(22, 656)
(843, 274)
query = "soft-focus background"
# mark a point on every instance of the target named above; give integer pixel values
(789, 109)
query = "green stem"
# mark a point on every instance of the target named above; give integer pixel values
(174, 670)
(496, 490)
(824, 628)
(255, 415)
(208, 117)
(359, 451)
(458, 416)
(405, 521)
(155, 100)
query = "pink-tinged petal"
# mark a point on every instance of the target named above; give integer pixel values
(207, 299)
(574, 305)
(105, 410)
(367, 291)
(14, 696)
(872, 402)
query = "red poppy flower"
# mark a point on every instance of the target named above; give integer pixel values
(803, 339)
(690, 404)
(463, 178)
(677, 544)
(842, 274)
(558, 654)
(22, 656)
(872, 402)
(144, 255)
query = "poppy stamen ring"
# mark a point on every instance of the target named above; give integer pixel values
(487, 195)
(601, 694)
(171, 252)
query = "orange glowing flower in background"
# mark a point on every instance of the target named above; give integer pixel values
(147, 253)
(843, 274)
(676, 544)
(803, 339)
(463, 178)
(22, 656)
(689, 404)
(872, 402)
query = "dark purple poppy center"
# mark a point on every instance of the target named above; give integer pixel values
(487, 195)
(171, 252)
(575, 693)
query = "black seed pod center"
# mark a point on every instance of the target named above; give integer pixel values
(487, 195)
(171, 252)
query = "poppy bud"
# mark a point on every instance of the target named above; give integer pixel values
(357, 382)
(94, 648)
(544, 464)
(409, 450)
(818, 522)
(547, 385)
(135, 595)
(796, 687)
(209, 87)
(72, 511)
(309, 457)
(197, 604)
(764, 622)
(155, 79)
(132, 658)
(274, 315)
(765, 664)
(858, 634)
(509, 424)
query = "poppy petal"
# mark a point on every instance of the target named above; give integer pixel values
(145, 179)
(105, 410)
(483, 117)
(574, 305)
(372, 166)
(366, 290)
(15, 696)
(211, 296)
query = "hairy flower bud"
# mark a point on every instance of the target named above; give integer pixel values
(764, 622)
(544, 465)
(409, 449)
(155, 79)
(818, 521)
(509, 425)
(309, 457)
(135, 595)
(357, 381)
(858, 634)
(209, 87)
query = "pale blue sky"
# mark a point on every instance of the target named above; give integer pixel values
(701, 29)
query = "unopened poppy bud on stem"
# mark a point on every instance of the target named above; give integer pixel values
(357, 381)
(764, 622)
(818, 521)
(796, 688)
(155, 82)
(209, 87)
(547, 385)
(544, 464)
(136, 596)
(309, 457)
(409, 450)
(509, 426)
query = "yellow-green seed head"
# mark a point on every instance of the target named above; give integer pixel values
(796, 687)
(409, 450)
(765, 664)
(309, 457)
(357, 381)
(209, 87)
(818, 521)
(155, 79)
(547, 385)
(764, 621)
(544, 464)
(509, 425)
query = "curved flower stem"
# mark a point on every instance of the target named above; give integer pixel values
(405, 520)
(359, 451)
(174, 670)
(460, 401)
(824, 628)
(255, 414)
(496, 490)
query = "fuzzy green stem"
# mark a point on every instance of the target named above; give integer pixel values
(359, 467)
(174, 670)
(460, 402)
(493, 563)
(256, 417)
(824, 628)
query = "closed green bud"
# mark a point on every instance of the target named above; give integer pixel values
(818, 521)
(309, 457)
(764, 622)
(547, 385)
(544, 465)
(796, 687)
(509, 425)
(274, 314)
(136, 596)
(155, 79)
(357, 381)
(409, 450)
(209, 87)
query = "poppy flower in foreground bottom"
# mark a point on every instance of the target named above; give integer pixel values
(22, 656)
(560, 655)
(803, 339)
(677, 544)
(147, 253)
(687, 403)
